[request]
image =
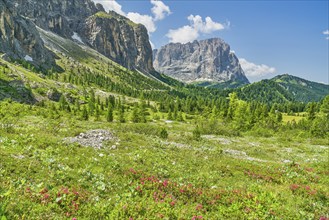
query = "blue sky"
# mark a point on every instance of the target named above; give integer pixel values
(269, 37)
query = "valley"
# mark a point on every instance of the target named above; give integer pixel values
(91, 128)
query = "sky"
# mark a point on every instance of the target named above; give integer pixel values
(269, 37)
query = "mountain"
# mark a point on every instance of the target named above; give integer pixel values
(206, 62)
(302, 89)
(284, 88)
(111, 34)
(19, 38)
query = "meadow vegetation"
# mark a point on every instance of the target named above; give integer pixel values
(176, 152)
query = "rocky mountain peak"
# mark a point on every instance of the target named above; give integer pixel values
(209, 60)
(82, 21)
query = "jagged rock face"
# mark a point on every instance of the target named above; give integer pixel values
(62, 17)
(111, 34)
(121, 40)
(205, 60)
(19, 39)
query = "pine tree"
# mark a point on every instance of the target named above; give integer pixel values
(62, 103)
(97, 114)
(196, 133)
(311, 110)
(109, 115)
(169, 117)
(134, 115)
(85, 115)
(122, 115)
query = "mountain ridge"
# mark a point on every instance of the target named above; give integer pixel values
(113, 35)
(284, 88)
(209, 60)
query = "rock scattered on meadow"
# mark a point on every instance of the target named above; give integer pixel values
(92, 138)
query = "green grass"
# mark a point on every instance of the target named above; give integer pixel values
(289, 118)
(42, 177)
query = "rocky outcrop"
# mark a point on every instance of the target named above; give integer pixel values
(19, 39)
(206, 60)
(120, 39)
(84, 22)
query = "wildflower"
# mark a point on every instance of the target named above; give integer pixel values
(198, 207)
(74, 219)
(65, 191)
(165, 183)
(172, 203)
(313, 192)
(294, 187)
(43, 191)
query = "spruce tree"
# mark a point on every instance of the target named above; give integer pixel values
(109, 115)
(122, 114)
(85, 115)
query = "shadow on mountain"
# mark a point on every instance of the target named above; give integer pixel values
(16, 90)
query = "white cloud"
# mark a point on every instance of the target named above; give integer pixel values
(183, 35)
(111, 5)
(160, 10)
(255, 70)
(191, 32)
(146, 20)
(206, 26)
(326, 33)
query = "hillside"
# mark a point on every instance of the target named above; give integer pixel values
(284, 88)
(302, 90)
(89, 130)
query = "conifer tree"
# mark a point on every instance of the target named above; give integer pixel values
(169, 117)
(122, 115)
(85, 115)
(109, 115)
(134, 115)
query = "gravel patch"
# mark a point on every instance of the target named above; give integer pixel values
(92, 138)
(242, 155)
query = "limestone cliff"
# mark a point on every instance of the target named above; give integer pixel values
(19, 39)
(208, 60)
(81, 21)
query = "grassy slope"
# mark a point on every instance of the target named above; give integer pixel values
(146, 176)
(218, 177)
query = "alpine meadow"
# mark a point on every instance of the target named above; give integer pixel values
(96, 122)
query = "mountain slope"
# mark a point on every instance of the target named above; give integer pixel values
(284, 88)
(301, 89)
(19, 39)
(111, 34)
(206, 62)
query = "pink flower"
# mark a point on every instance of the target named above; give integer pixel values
(165, 183)
(74, 219)
(294, 187)
(198, 207)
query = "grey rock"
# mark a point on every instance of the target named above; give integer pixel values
(121, 40)
(92, 138)
(53, 95)
(19, 38)
(206, 60)
(111, 34)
